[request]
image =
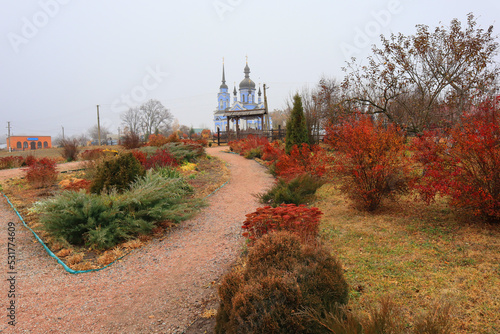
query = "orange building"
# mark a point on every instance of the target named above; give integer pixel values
(21, 143)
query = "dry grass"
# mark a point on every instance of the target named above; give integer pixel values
(74, 259)
(419, 255)
(52, 153)
(133, 244)
(209, 313)
(110, 256)
(83, 266)
(64, 252)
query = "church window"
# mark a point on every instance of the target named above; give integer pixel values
(45, 144)
(19, 144)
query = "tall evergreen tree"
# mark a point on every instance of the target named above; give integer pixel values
(296, 128)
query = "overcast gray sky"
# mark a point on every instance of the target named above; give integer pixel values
(60, 58)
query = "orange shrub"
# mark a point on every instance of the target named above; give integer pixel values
(370, 158)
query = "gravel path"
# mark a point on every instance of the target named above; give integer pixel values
(160, 288)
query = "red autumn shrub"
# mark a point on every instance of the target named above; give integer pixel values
(157, 140)
(160, 158)
(302, 159)
(10, 162)
(131, 140)
(42, 173)
(370, 158)
(272, 151)
(464, 163)
(140, 156)
(29, 160)
(299, 220)
(245, 145)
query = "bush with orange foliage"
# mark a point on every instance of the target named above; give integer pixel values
(371, 159)
(75, 184)
(157, 140)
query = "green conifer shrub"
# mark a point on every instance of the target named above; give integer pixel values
(116, 173)
(296, 127)
(101, 221)
(299, 190)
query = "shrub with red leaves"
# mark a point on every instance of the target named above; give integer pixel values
(140, 156)
(464, 163)
(42, 173)
(160, 158)
(302, 159)
(272, 151)
(299, 220)
(10, 162)
(371, 158)
(245, 145)
(29, 160)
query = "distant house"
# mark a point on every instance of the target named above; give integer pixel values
(21, 143)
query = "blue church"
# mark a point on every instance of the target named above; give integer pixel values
(246, 110)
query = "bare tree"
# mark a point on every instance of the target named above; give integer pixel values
(410, 78)
(82, 139)
(279, 117)
(94, 133)
(154, 116)
(132, 119)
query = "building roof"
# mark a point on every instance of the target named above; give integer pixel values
(247, 83)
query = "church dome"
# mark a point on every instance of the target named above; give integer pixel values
(247, 83)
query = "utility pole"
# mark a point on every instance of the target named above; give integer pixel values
(119, 137)
(8, 137)
(266, 110)
(62, 131)
(98, 127)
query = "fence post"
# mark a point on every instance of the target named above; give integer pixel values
(218, 136)
(279, 132)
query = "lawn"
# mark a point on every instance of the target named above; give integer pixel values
(418, 255)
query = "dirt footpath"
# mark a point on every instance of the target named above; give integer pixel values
(161, 288)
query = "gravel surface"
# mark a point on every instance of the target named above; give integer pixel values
(160, 288)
